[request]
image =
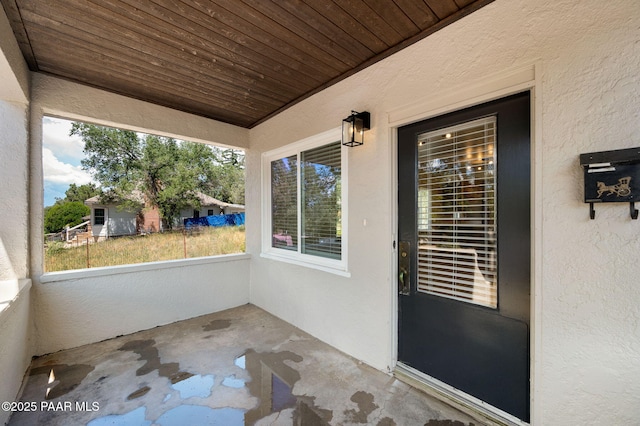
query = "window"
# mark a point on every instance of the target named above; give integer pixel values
(456, 213)
(98, 217)
(210, 212)
(284, 203)
(305, 194)
(139, 192)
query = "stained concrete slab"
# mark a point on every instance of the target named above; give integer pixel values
(242, 366)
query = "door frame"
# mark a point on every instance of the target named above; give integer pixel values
(457, 98)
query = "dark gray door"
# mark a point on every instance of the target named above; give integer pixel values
(464, 250)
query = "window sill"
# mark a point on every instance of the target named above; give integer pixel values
(311, 265)
(139, 267)
(6, 306)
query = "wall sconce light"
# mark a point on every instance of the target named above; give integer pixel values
(353, 128)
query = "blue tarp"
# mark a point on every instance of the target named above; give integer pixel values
(233, 219)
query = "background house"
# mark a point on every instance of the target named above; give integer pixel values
(210, 206)
(110, 219)
(113, 219)
(579, 61)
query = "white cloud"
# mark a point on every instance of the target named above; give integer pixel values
(55, 136)
(56, 171)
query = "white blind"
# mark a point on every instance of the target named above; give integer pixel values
(456, 213)
(284, 203)
(321, 201)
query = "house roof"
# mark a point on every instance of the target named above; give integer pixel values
(239, 62)
(205, 201)
(110, 198)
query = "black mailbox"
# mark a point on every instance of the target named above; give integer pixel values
(612, 177)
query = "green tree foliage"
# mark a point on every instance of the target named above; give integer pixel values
(321, 203)
(168, 173)
(79, 193)
(59, 216)
(229, 175)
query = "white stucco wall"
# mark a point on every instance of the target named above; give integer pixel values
(15, 307)
(586, 313)
(14, 172)
(15, 302)
(14, 161)
(16, 346)
(77, 308)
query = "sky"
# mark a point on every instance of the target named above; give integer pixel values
(61, 155)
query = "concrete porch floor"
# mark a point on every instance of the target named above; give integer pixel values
(236, 367)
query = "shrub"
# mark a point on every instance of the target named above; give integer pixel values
(58, 216)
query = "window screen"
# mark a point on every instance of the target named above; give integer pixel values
(456, 213)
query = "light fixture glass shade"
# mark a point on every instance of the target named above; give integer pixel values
(353, 128)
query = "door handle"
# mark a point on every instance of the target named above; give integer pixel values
(404, 267)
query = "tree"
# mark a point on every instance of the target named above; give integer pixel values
(230, 176)
(59, 216)
(168, 173)
(79, 193)
(321, 199)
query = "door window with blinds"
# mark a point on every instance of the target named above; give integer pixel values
(306, 208)
(456, 213)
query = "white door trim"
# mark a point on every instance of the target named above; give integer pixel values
(497, 86)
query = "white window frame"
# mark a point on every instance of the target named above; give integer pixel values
(336, 266)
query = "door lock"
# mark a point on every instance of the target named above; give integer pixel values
(404, 268)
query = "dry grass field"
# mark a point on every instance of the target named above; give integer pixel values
(204, 241)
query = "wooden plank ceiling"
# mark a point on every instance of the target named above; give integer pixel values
(236, 61)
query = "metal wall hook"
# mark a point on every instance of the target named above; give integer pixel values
(632, 211)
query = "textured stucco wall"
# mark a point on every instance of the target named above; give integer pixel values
(590, 369)
(14, 173)
(586, 313)
(14, 161)
(15, 301)
(15, 344)
(15, 319)
(73, 309)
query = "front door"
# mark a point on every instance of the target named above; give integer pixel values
(464, 251)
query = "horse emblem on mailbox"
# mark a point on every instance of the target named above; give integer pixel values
(621, 189)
